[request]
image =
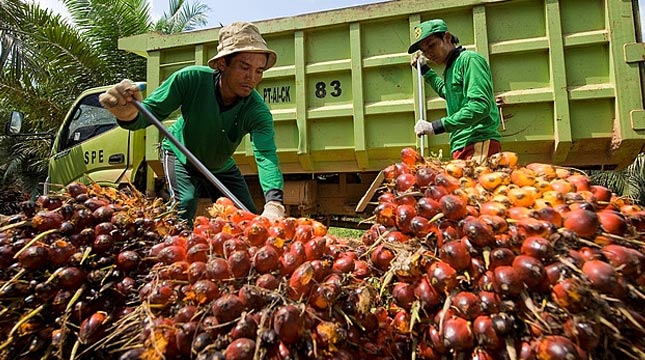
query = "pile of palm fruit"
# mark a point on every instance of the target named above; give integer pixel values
(493, 261)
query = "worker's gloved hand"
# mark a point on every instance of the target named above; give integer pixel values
(418, 56)
(423, 127)
(273, 210)
(118, 99)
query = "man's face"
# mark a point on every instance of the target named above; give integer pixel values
(437, 49)
(243, 73)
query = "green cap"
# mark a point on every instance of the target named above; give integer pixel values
(426, 29)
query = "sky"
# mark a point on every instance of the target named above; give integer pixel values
(226, 12)
(253, 10)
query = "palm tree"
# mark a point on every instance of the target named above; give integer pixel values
(629, 182)
(46, 61)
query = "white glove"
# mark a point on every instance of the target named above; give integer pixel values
(273, 210)
(423, 127)
(118, 99)
(420, 57)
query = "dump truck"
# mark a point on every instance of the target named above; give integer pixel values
(567, 77)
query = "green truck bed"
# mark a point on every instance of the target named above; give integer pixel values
(343, 94)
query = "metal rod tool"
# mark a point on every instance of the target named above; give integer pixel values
(422, 100)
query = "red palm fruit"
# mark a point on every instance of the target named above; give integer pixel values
(198, 252)
(59, 253)
(246, 327)
(501, 257)
(420, 226)
(586, 333)
(303, 233)
(530, 270)
(404, 182)
(557, 347)
(178, 270)
(477, 268)
(426, 293)
(570, 294)
(479, 233)
(612, 222)
(205, 291)
(489, 302)
(170, 254)
(425, 176)
(217, 242)
(467, 305)
(387, 197)
(485, 333)
(449, 183)
(256, 234)
(324, 295)
(410, 157)
(518, 212)
(196, 271)
(344, 264)
(630, 262)
(585, 223)
(361, 269)
(436, 340)
(227, 307)
(403, 294)
(534, 227)
(581, 182)
(381, 257)
(455, 254)
(396, 237)
(401, 322)
(601, 275)
(503, 159)
(507, 282)
(288, 263)
(240, 263)
(427, 207)
(404, 215)
(92, 327)
(288, 323)
(315, 248)
(218, 269)
(70, 278)
(458, 334)
(301, 281)
(554, 272)
(485, 281)
(549, 214)
(537, 247)
(266, 259)
(453, 207)
(493, 208)
(267, 281)
(443, 277)
(240, 349)
(588, 253)
(497, 223)
(435, 192)
(601, 193)
(386, 214)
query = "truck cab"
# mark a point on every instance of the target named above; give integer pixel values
(91, 147)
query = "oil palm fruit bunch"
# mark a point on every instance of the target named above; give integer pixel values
(509, 261)
(243, 287)
(70, 267)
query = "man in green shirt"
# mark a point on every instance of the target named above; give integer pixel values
(473, 118)
(219, 106)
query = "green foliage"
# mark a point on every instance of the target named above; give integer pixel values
(46, 61)
(629, 182)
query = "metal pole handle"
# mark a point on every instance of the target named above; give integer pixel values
(193, 160)
(422, 99)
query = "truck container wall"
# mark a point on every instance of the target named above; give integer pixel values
(566, 74)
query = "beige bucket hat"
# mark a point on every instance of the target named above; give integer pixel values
(242, 37)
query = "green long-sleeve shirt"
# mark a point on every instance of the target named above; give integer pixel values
(470, 102)
(212, 134)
